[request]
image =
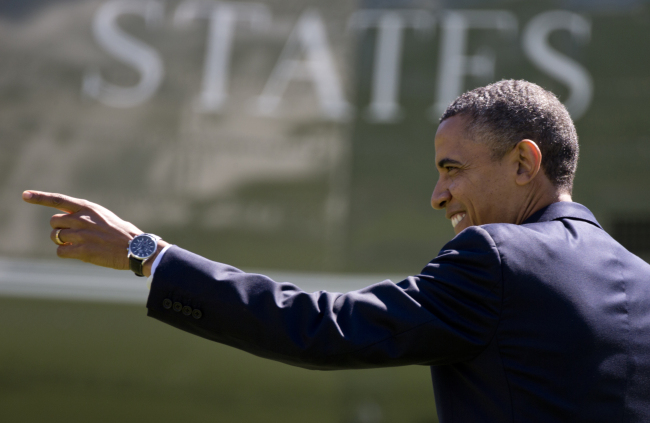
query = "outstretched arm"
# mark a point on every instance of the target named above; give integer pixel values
(448, 313)
(88, 231)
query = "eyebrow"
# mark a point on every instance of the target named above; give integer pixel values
(444, 162)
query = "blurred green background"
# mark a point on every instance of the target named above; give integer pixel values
(280, 135)
(91, 362)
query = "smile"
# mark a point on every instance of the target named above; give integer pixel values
(455, 219)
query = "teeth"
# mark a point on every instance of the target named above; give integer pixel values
(455, 219)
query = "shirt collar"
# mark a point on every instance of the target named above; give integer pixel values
(563, 210)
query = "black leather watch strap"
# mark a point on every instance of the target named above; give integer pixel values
(136, 266)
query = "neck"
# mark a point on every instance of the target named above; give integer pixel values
(537, 199)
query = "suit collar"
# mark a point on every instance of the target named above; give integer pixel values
(563, 210)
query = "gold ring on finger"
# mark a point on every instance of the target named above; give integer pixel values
(57, 240)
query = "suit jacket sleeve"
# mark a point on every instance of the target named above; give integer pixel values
(447, 313)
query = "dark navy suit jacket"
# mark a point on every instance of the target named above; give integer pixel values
(548, 321)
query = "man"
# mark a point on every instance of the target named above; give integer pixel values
(532, 313)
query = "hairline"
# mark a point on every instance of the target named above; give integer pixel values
(469, 131)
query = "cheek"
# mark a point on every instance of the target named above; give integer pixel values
(474, 196)
(490, 200)
(463, 191)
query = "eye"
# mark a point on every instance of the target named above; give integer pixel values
(451, 169)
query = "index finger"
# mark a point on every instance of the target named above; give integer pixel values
(57, 201)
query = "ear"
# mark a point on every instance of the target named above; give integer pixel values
(529, 161)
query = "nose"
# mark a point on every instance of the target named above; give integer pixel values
(440, 196)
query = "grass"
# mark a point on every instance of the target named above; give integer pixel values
(91, 362)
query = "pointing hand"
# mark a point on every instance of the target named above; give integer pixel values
(88, 231)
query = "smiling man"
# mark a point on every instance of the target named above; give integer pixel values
(489, 149)
(531, 313)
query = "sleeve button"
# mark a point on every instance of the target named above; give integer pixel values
(178, 306)
(196, 313)
(167, 303)
(187, 310)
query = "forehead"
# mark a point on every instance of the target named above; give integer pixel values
(452, 143)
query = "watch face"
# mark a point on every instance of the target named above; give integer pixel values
(142, 246)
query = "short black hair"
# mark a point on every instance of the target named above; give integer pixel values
(508, 111)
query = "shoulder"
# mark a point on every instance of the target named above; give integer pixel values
(503, 232)
(559, 234)
(523, 242)
(502, 243)
(471, 254)
(473, 238)
(557, 247)
(474, 243)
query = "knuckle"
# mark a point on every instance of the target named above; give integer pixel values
(72, 236)
(84, 204)
(57, 199)
(85, 219)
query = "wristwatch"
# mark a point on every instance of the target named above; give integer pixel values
(141, 248)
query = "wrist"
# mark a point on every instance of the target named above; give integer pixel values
(146, 267)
